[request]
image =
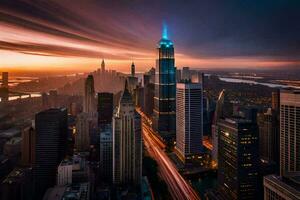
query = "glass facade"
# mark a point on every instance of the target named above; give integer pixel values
(165, 90)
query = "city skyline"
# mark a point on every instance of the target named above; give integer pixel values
(61, 36)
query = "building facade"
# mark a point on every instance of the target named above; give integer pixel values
(165, 90)
(238, 158)
(105, 108)
(51, 141)
(279, 188)
(106, 153)
(189, 119)
(127, 143)
(289, 132)
(89, 95)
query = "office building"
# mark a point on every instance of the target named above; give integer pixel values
(189, 119)
(148, 95)
(268, 136)
(127, 143)
(106, 153)
(5, 79)
(86, 125)
(289, 132)
(281, 188)
(102, 66)
(133, 69)
(51, 141)
(105, 108)
(224, 109)
(178, 75)
(18, 185)
(28, 146)
(165, 90)
(64, 172)
(185, 74)
(238, 159)
(89, 95)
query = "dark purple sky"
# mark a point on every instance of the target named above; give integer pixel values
(60, 33)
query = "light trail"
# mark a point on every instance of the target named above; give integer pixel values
(179, 188)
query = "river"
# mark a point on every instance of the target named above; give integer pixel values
(272, 85)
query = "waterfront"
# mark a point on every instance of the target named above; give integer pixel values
(252, 82)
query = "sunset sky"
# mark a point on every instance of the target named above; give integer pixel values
(74, 35)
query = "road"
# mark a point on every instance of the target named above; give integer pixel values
(179, 188)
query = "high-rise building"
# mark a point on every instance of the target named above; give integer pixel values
(102, 66)
(127, 143)
(281, 188)
(178, 75)
(89, 95)
(148, 95)
(106, 153)
(238, 158)
(268, 136)
(51, 139)
(133, 69)
(18, 185)
(289, 132)
(28, 146)
(105, 108)
(223, 109)
(5, 79)
(186, 74)
(165, 90)
(276, 100)
(86, 124)
(189, 119)
(64, 172)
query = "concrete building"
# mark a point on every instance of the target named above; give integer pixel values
(280, 188)
(28, 146)
(127, 143)
(4, 80)
(64, 172)
(105, 108)
(89, 104)
(189, 119)
(289, 132)
(106, 153)
(86, 125)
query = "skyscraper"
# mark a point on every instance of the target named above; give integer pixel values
(5, 79)
(223, 109)
(82, 137)
(105, 108)
(28, 146)
(51, 138)
(189, 119)
(148, 95)
(289, 132)
(186, 73)
(165, 89)
(132, 69)
(268, 142)
(238, 158)
(89, 95)
(106, 153)
(102, 66)
(127, 143)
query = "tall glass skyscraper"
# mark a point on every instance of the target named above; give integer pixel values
(165, 89)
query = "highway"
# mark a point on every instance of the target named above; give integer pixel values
(179, 188)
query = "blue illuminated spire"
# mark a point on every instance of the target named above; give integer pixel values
(165, 32)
